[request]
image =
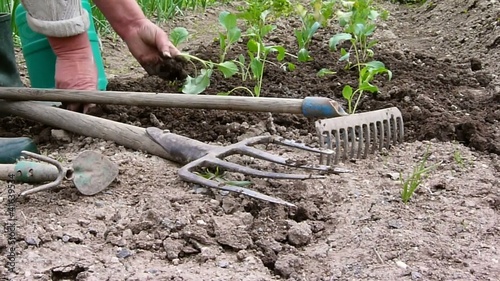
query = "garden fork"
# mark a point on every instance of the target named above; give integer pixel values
(195, 154)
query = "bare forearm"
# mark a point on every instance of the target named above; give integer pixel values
(121, 14)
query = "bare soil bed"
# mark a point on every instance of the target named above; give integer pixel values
(149, 225)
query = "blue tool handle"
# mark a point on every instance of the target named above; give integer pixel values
(322, 107)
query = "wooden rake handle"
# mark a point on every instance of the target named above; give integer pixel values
(309, 107)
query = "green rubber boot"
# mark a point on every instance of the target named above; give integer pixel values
(9, 74)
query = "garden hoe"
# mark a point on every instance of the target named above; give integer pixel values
(349, 136)
(90, 172)
(188, 152)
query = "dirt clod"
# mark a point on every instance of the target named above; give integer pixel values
(300, 234)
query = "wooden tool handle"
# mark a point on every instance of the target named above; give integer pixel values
(132, 137)
(236, 103)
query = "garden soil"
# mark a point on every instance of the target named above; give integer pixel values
(150, 225)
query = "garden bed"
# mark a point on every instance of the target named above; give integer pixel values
(149, 225)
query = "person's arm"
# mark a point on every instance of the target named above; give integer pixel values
(122, 15)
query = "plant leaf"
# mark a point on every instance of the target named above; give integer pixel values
(256, 67)
(312, 30)
(194, 86)
(337, 39)
(253, 46)
(178, 35)
(233, 35)
(228, 68)
(303, 55)
(347, 92)
(344, 55)
(324, 71)
(291, 66)
(227, 20)
(367, 87)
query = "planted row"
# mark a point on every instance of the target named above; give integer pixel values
(357, 20)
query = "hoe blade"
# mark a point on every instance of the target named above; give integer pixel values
(357, 135)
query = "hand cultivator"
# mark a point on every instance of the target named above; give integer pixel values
(196, 154)
(90, 172)
(342, 136)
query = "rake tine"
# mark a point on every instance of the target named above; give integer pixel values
(257, 153)
(294, 144)
(186, 174)
(258, 173)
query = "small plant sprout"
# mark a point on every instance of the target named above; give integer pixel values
(305, 33)
(220, 176)
(358, 21)
(459, 159)
(414, 180)
(232, 33)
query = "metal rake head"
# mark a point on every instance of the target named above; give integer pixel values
(202, 155)
(357, 135)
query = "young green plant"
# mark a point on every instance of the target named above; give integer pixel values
(359, 25)
(410, 184)
(258, 53)
(310, 23)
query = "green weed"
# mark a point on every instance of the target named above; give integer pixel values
(414, 180)
(220, 176)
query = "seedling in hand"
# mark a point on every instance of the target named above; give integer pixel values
(201, 81)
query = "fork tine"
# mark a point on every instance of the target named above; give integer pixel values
(258, 173)
(257, 153)
(186, 174)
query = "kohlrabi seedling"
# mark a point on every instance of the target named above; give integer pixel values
(358, 20)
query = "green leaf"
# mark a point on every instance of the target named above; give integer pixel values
(303, 55)
(257, 67)
(227, 20)
(253, 46)
(194, 86)
(312, 30)
(222, 41)
(347, 92)
(299, 34)
(337, 39)
(344, 55)
(233, 35)
(291, 66)
(372, 43)
(281, 52)
(238, 183)
(178, 35)
(266, 29)
(359, 29)
(228, 68)
(376, 65)
(367, 87)
(325, 71)
(373, 15)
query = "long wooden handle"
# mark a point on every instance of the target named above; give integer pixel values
(309, 107)
(129, 136)
(237, 103)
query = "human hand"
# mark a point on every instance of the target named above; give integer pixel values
(75, 66)
(151, 47)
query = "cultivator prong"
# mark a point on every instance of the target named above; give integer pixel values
(196, 155)
(187, 174)
(257, 153)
